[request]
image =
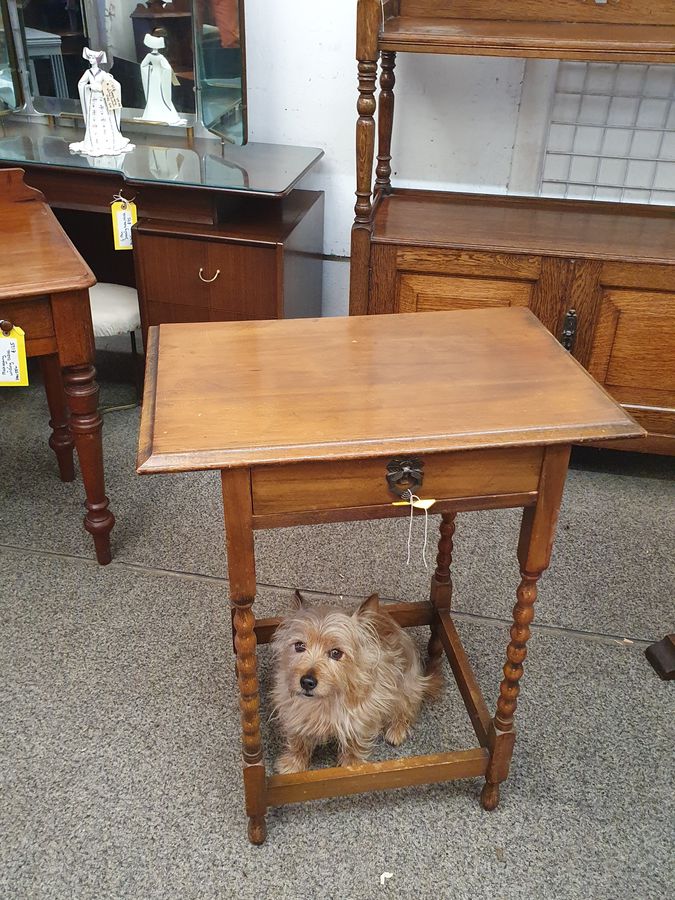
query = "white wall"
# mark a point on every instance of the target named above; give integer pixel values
(455, 122)
(119, 28)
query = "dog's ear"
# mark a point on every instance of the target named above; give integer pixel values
(298, 602)
(372, 604)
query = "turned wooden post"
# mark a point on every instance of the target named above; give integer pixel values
(441, 587)
(81, 392)
(61, 440)
(236, 484)
(385, 122)
(369, 18)
(534, 554)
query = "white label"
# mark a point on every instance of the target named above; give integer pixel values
(10, 368)
(124, 222)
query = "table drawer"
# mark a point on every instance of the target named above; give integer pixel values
(309, 486)
(35, 318)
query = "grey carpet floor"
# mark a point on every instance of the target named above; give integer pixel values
(119, 751)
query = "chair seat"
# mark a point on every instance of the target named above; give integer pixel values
(114, 309)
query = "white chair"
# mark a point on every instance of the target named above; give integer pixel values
(114, 310)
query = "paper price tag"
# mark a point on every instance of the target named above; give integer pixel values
(123, 217)
(112, 98)
(417, 504)
(13, 366)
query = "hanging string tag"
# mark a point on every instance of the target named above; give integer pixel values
(111, 95)
(13, 364)
(124, 216)
(414, 502)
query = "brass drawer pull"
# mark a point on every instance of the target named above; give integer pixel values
(208, 280)
(6, 327)
(404, 475)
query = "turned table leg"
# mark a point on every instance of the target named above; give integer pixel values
(534, 554)
(81, 392)
(241, 570)
(441, 587)
(61, 440)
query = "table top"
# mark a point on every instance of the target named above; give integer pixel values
(231, 394)
(37, 257)
(270, 170)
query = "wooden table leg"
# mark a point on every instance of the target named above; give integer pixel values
(441, 587)
(241, 570)
(61, 440)
(534, 554)
(85, 424)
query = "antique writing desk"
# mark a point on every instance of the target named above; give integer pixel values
(327, 420)
(44, 289)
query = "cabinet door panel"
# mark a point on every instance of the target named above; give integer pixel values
(427, 293)
(186, 280)
(246, 286)
(633, 355)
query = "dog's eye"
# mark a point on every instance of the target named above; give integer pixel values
(299, 647)
(335, 653)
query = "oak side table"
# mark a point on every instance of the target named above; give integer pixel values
(44, 289)
(325, 420)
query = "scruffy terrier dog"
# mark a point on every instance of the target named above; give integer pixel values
(348, 677)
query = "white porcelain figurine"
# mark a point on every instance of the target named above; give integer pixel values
(157, 76)
(101, 99)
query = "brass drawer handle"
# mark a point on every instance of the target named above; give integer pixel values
(6, 327)
(208, 280)
(404, 475)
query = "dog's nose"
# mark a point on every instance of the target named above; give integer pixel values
(308, 682)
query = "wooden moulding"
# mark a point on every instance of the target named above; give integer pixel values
(408, 615)
(316, 784)
(365, 513)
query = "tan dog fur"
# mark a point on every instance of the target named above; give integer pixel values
(368, 678)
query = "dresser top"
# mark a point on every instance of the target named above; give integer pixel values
(270, 170)
(231, 394)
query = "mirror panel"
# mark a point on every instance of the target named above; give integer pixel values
(10, 92)
(202, 42)
(220, 67)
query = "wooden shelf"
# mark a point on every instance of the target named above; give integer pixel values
(590, 41)
(530, 225)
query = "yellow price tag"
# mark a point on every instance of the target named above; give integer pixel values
(417, 504)
(13, 365)
(123, 217)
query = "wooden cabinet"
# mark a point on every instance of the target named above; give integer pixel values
(222, 233)
(565, 257)
(599, 275)
(261, 267)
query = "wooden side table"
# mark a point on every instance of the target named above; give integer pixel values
(44, 289)
(330, 420)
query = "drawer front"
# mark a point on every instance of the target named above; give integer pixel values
(35, 318)
(200, 281)
(310, 486)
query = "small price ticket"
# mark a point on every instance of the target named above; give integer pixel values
(13, 366)
(124, 215)
(111, 96)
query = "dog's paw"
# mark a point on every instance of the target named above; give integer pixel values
(289, 763)
(397, 733)
(349, 759)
